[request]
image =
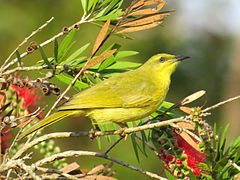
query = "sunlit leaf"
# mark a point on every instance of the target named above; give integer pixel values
(140, 28)
(193, 97)
(223, 137)
(101, 36)
(45, 59)
(75, 54)
(108, 62)
(18, 57)
(189, 140)
(100, 58)
(149, 10)
(65, 43)
(84, 5)
(122, 54)
(92, 4)
(144, 20)
(66, 79)
(169, 175)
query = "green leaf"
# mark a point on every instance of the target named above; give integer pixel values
(122, 54)
(65, 43)
(68, 50)
(45, 59)
(75, 54)
(144, 140)
(124, 65)
(56, 50)
(134, 143)
(223, 137)
(108, 62)
(192, 175)
(18, 57)
(90, 78)
(66, 79)
(92, 4)
(169, 175)
(78, 63)
(113, 4)
(84, 5)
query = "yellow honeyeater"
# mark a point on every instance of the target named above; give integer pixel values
(125, 97)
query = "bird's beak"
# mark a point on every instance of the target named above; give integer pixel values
(181, 57)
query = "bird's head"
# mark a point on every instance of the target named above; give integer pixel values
(164, 63)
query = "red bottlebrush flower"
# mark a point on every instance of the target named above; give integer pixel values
(179, 162)
(28, 95)
(194, 157)
(170, 158)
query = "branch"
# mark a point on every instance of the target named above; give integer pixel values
(83, 20)
(34, 68)
(96, 133)
(221, 103)
(49, 170)
(5, 65)
(95, 154)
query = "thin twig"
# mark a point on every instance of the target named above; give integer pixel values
(148, 145)
(29, 170)
(221, 103)
(95, 154)
(83, 20)
(49, 170)
(234, 165)
(33, 68)
(113, 145)
(5, 65)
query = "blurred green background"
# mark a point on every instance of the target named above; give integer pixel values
(208, 31)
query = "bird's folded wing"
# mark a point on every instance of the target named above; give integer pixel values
(108, 97)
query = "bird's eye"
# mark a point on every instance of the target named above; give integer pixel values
(162, 59)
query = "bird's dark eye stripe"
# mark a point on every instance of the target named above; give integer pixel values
(162, 59)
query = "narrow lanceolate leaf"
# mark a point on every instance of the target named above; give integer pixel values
(75, 54)
(65, 43)
(186, 125)
(45, 59)
(189, 140)
(100, 58)
(146, 3)
(140, 28)
(149, 10)
(138, 4)
(18, 57)
(169, 175)
(56, 50)
(101, 36)
(192, 97)
(84, 5)
(145, 20)
(135, 147)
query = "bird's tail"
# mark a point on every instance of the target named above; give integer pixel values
(46, 122)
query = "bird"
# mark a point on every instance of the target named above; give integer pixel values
(125, 97)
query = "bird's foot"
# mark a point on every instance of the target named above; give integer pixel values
(123, 133)
(92, 134)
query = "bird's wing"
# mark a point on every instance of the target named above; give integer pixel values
(113, 94)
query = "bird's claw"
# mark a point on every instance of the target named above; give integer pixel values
(123, 133)
(92, 134)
